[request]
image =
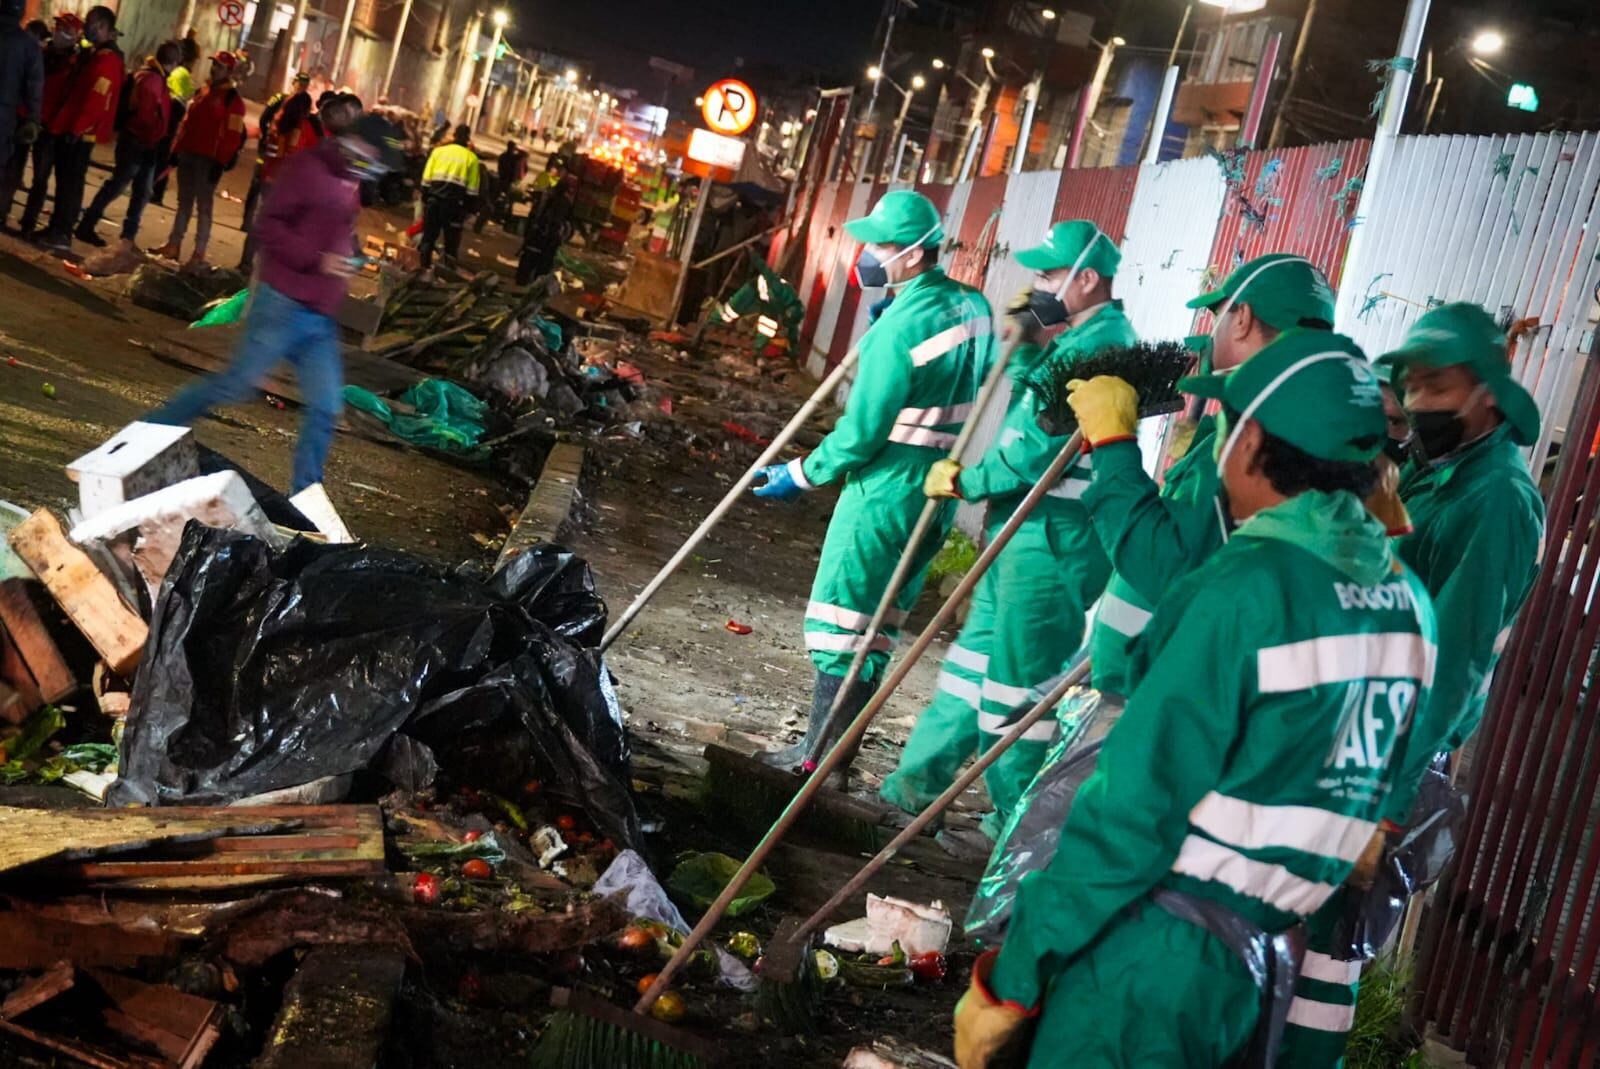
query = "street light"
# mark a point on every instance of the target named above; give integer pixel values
(500, 19)
(1488, 42)
(1047, 14)
(918, 81)
(571, 75)
(874, 72)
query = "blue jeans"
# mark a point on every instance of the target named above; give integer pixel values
(135, 173)
(276, 328)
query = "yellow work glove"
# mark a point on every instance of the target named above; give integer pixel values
(1384, 502)
(984, 1023)
(1107, 408)
(943, 479)
(1366, 870)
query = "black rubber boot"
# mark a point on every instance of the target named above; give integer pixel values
(822, 695)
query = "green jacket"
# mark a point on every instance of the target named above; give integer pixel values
(1022, 451)
(1253, 759)
(1154, 535)
(1477, 527)
(921, 366)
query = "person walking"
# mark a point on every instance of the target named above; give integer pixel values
(147, 112)
(87, 117)
(545, 230)
(306, 231)
(298, 130)
(1276, 683)
(1028, 612)
(207, 145)
(450, 183)
(921, 366)
(60, 57)
(21, 82)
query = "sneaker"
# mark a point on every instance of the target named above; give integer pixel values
(50, 241)
(169, 251)
(89, 237)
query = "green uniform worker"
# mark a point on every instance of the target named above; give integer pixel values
(771, 298)
(1155, 534)
(922, 363)
(1253, 760)
(1477, 522)
(1028, 612)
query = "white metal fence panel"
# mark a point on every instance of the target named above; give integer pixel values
(838, 250)
(1171, 227)
(1030, 199)
(1509, 222)
(955, 209)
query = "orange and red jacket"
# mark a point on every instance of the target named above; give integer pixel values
(213, 127)
(304, 136)
(149, 109)
(58, 67)
(89, 105)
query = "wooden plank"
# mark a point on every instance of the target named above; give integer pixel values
(28, 836)
(31, 941)
(39, 990)
(549, 502)
(83, 1052)
(84, 594)
(181, 1026)
(19, 697)
(336, 1009)
(38, 650)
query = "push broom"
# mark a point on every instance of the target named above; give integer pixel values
(1153, 371)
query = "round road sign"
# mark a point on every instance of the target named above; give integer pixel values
(231, 12)
(730, 107)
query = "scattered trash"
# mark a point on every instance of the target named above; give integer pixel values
(892, 922)
(737, 628)
(700, 878)
(48, 390)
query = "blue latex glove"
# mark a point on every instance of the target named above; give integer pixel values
(779, 483)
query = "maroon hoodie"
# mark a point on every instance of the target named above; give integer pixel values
(309, 209)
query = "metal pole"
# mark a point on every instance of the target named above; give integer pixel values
(883, 56)
(1275, 138)
(394, 53)
(688, 248)
(1394, 110)
(1433, 102)
(1259, 92)
(295, 24)
(1030, 102)
(1087, 100)
(1158, 125)
(899, 158)
(336, 74)
(488, 69)
(1177, 42)
(899, 122)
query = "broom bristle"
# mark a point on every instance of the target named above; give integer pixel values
(575, 1041)
(790, 994)
(1151, 368)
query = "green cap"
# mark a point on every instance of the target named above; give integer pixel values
(1465, 334)
(1076, 243)
(1282, 290)
(1312, 388)
(902, 217)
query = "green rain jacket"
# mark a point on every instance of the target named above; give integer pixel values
(1477, 524)
(1254, 757)
(1023, 450)
(921, 367)
(1154, 535)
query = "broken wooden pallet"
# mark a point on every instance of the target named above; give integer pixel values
(82, 590)
(333, 840)
(36, 647)
(30, 836)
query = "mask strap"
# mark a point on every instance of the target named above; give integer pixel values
(914, 245)
(1227, 305)
(1249, 413)
(1072, 272)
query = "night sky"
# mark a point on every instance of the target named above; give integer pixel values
(616, 39)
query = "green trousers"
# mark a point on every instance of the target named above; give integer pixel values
(1153, 992)
(1026, 622)
(870, 529)
(1324, 1007)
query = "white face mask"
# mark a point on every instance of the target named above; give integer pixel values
(1248, 414)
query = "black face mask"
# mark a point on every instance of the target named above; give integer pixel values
(870, 272)
(1438, 434)
(1046, 307)
(1398, 449)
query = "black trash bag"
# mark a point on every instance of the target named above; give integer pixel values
(1368, 918)
(1028, 841)
(555, 586)
(269, 670)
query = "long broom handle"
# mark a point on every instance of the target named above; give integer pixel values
(941, 803)
(858, 727)
(790, 429)
(908, 556)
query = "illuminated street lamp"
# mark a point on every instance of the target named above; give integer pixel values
(874, 72)
(1048, 15)
(500, 19)
(1488, 42)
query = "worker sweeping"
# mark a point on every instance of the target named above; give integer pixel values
(1252, 763)
(1028, 612)
(1478, 523)
(1153, 534)
(773, 301)
(921, 365)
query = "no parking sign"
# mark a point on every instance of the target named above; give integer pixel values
(231, 12)
(729, 107)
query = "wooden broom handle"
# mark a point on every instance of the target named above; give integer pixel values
(941, 803)
(823, 390)
(858, 727)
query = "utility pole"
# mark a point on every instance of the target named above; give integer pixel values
(1088, 98)
(336, 74)
(295, 24)
(500, 18)
(1275, 138)
(1030, 97)
(394, 53)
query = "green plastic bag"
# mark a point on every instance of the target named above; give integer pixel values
(700, 878)
(221, 313)
(445, 416)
